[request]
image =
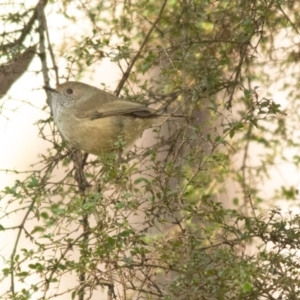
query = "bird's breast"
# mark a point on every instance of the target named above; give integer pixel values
(98, 136)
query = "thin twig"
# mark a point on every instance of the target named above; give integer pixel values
(42, 27)
(127, 72)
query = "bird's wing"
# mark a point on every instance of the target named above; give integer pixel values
(116, 108)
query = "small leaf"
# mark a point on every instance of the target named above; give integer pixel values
(37, 229)
(120, 205)
(141, 179)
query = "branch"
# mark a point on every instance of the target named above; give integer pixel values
(127, 72)
(41, 29)
(25, 31)
(11, 72)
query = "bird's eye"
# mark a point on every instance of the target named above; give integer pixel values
(69, 91)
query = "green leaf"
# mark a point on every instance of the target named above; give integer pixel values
(125, 233)
(73, 294)
(44, 215)
(22, 274)
(33, 182)
(120, 205)
(141, 179)
(247, 287)
(37, 229)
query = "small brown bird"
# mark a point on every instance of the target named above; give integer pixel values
(94, 121)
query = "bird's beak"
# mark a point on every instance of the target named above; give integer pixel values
(49, 89)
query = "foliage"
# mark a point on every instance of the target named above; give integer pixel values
(157, 225)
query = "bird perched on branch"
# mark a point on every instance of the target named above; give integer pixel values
(94, 120)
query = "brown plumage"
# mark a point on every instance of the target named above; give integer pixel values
(94, 120)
